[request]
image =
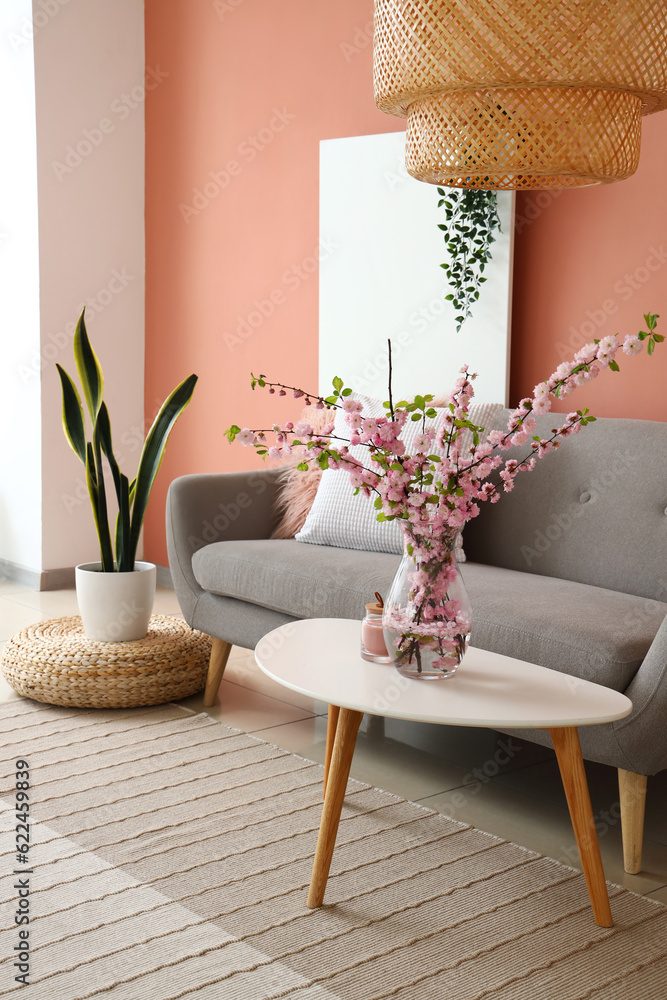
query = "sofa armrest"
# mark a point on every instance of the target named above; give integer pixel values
(642, 735)
(215, 507)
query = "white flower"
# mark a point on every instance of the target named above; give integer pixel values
(246, 436)
(587, 353)
(608, 344)
(632, 344)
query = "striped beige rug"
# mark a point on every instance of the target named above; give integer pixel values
(171, 858)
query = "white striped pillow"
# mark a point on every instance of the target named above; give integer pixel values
(339, 518)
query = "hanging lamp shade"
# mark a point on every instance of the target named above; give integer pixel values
(521, 93)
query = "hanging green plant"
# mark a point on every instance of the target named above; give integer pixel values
(471, 219)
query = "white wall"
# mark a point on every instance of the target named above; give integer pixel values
(383, 279)
(89, 58)
(20, 478)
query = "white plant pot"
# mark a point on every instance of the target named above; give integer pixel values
(115, 607)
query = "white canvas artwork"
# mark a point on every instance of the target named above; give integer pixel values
(382, 279)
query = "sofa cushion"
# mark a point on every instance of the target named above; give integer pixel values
(600, 635)
(305, 581)
(594, 512)
(590, 632)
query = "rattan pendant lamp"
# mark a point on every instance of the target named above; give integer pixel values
(511, 94)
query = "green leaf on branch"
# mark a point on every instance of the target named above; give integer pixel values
(614, 366)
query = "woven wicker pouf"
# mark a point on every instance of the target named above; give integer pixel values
(54, 662)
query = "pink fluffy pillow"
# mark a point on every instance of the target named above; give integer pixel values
(298, 489)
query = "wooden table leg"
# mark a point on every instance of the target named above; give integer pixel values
(571, 764)
(341, 759)
(331, 736)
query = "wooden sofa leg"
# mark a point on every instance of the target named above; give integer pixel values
(220, 651)
(632, 789)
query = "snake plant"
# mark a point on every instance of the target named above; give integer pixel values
(132, 497)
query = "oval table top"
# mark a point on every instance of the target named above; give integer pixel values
(320, 657)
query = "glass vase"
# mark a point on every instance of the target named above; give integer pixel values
(426, 619)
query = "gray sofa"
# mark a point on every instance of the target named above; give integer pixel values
(569, 571)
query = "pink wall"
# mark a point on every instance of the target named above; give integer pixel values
(593, 262)
(240, 69)
(290, 74)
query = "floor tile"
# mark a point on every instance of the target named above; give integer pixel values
(50, 603)
(384, 763)
(543, 782)
(659, 894)
(244, 709)
(166, 603)
(8, 587)
(306, 738)
(546, 828)
(243, 670)
(15, 616)
(468, 747)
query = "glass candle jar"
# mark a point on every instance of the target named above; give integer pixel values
(373, 646)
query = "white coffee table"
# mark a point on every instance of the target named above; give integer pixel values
(320, 658)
